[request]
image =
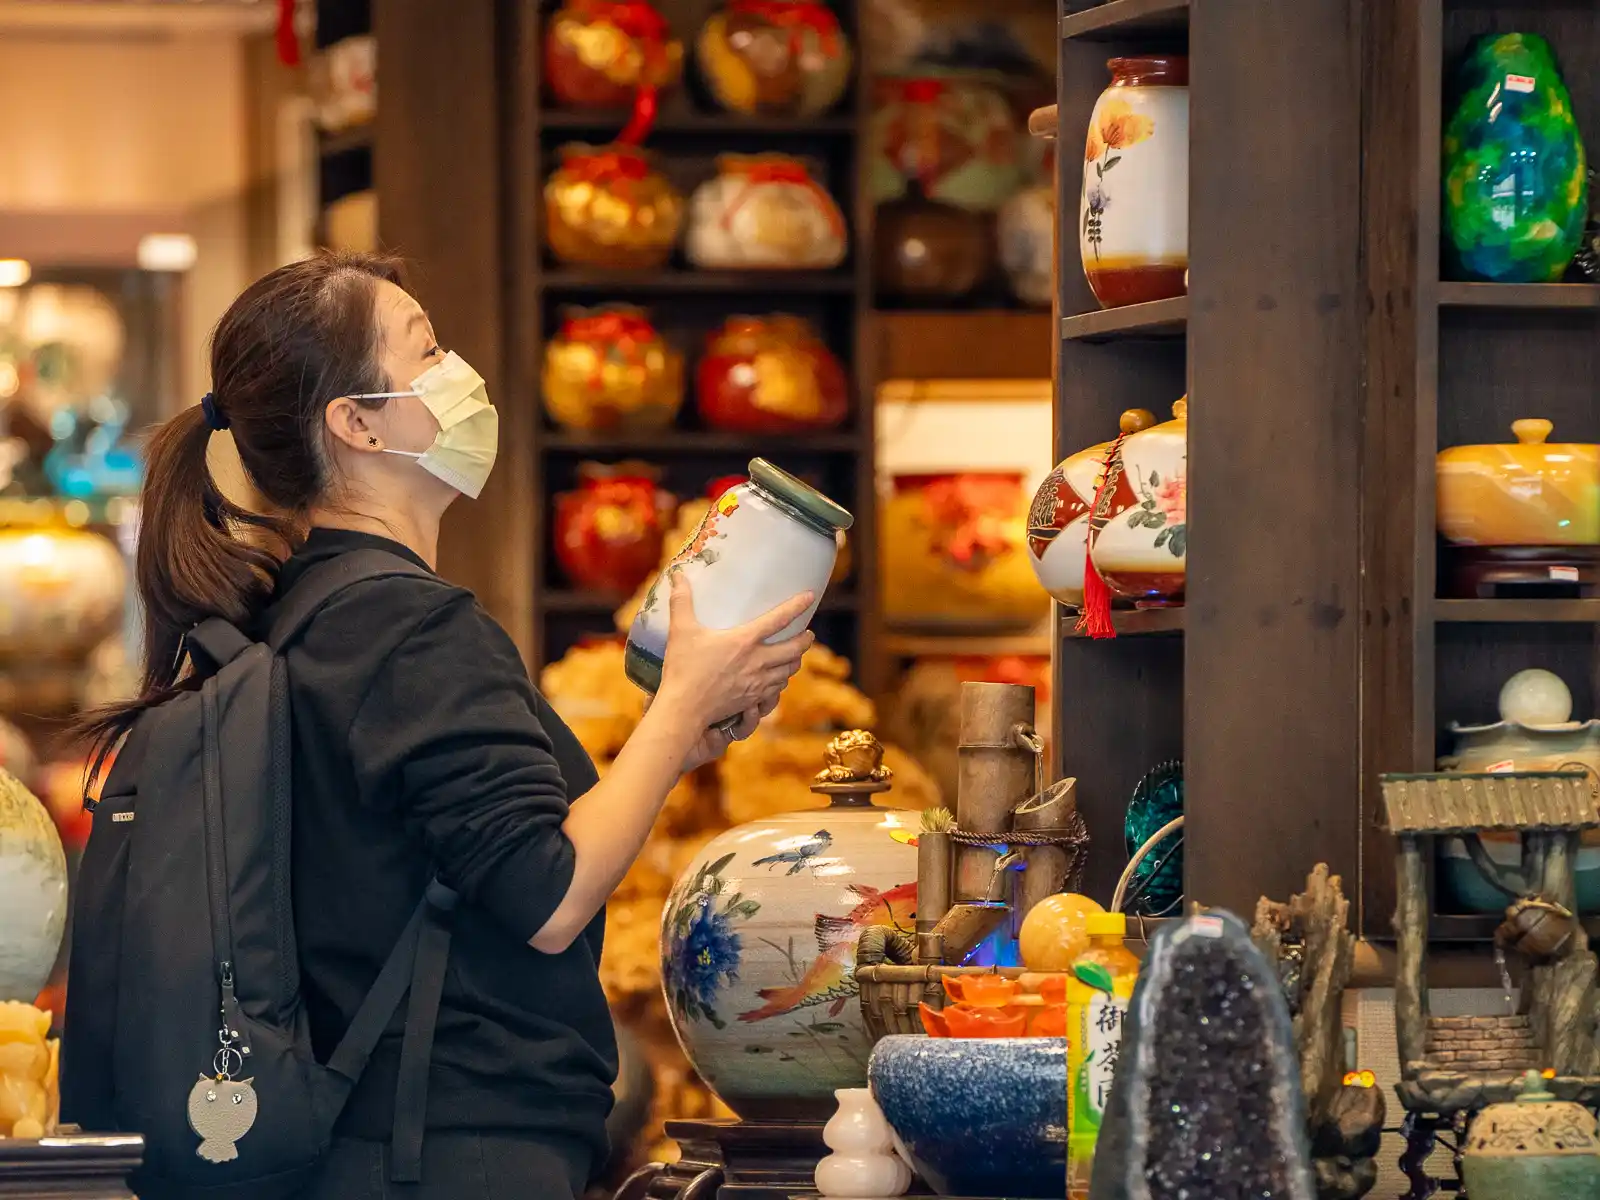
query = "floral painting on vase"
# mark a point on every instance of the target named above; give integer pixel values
(703, 944)
(1113, 129)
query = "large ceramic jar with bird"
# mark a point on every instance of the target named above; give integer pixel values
(758, 941)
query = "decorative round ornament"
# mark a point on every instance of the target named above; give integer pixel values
(609, 531)
(33, 892)
(607, 207)
(61, 591)
(609, 369)
(770, 374)
(774, 57)
(764, 212)
(1141, 548)
(609, 54)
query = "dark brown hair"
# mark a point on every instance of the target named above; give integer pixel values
(294, 340)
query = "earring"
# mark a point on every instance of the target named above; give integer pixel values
(372, 441)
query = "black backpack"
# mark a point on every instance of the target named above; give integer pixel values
(184, 1020)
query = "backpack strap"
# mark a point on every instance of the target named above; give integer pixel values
(326, 580)
(218, 642)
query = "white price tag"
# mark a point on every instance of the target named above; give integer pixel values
(1520, 83)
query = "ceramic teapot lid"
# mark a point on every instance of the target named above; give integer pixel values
(799, 496)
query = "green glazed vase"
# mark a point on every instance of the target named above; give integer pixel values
(1516, 184)
(1534, 1148)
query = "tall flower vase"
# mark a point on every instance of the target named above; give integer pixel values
(1516, 184)
(1133, 219)
(863, 1165)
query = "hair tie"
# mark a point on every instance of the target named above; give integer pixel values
(214, 416)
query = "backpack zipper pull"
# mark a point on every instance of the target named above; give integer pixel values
(232, 1040)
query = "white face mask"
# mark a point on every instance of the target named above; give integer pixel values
(464, 449)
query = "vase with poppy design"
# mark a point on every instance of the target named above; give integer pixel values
(761, 543)
(608, 532)
(611, 54)
(1141, 546)
(759, 935)
(774, 57)
(770, 374)
(953, 550)
(607, 369)
(951, 136)
(764, 212)
(606, 206)
(1133, 218)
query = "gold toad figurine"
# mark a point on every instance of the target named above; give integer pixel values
(854, 757)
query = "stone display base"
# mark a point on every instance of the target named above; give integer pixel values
(70, 1167)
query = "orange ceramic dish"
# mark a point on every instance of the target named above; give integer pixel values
(990, 1006)
(1527, 493)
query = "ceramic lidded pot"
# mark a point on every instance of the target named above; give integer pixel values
(605, 206)
(1535, 733)
(1025, 233)
(1058, 521)
(608, 532)
(33, 892)
(758, 941)
(1535, 1148)
(61, 591)
(777, 57)
(761, 542)
(1133, 218)
(1515, 176)
(1141, 551)
(608, 368)
(764, 211)
(1530, 492)
(601, 54)
(770, 375)
(924, 250)
(952, 135)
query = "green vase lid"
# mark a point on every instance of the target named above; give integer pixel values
(1533, 1089)
(801, 497)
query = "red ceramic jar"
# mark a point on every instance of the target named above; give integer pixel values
(770, 375)
(608, 532)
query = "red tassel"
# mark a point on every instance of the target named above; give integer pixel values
(288, 40)
(644, 116)
(1094, 615)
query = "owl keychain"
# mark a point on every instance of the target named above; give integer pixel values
(221, 1108)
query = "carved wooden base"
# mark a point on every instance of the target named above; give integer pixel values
(70, 1167)
(733, 1160)
(1491, 572)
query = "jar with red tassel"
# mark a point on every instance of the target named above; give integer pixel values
(1141, 547)
(770, 375)
(774, 57)
(608, 532)
(611, 54)
(764, 212)
(607, 207)
(609, 369)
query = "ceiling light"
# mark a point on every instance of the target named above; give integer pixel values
(14, 272)
(166, 252)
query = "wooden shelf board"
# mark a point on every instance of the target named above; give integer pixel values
(1159, 318)
(1519, 295)
(1489, 612)
(677, 442)
(980, 344)
(1133, 622)
(346, 141)
(1117, 20)
(901, 645)
(600, 121)
(586, 280)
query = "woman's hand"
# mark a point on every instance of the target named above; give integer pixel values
(719, 673)
(714, 743)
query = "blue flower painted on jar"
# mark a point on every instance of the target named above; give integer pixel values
(703, 946)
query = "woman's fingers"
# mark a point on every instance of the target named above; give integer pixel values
(778, 619)
(766, 657)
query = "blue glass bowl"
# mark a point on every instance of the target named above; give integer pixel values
(978, 1116)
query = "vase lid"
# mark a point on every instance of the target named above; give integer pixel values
(854, 770)
(798, 495)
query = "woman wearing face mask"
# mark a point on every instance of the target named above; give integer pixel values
(419, 745)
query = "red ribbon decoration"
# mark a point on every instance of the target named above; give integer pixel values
(621, 331)
(618, 164)
(288, 42)
(795, 16)
(639, 21)
(781, 170)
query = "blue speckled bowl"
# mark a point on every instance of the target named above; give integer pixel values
(978, 1116)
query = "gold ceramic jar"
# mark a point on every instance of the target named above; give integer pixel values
(608, 368)
(607, 207)
(1530, 492)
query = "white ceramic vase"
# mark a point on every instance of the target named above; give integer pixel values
(1141, 551)
(1058, 523)
(764, 212)
(1133, 216)
(33, 892)
(864, 1164)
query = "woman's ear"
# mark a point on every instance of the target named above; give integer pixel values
(351, 424)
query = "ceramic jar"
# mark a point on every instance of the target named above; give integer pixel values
(954, 137)
(1515, 177)
(16, 754)
(1058, 521)
(953, 550)
(923, 250)
(774, 57)
(770, 375)
(1530, 492)
(1026, 236)
(607, 207)
(33, 892)
(61, 591)
(1535, 1148)
(863, 1162)
(1133, 217)
(762, 542)
(1141, 550)
(1535, 733)
(759, 936)
(609, 369)
(344, 83)
(608, 533)
(609, 54)
(764, 212)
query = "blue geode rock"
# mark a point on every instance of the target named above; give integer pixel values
(1206, 1102)
(978, 1116)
